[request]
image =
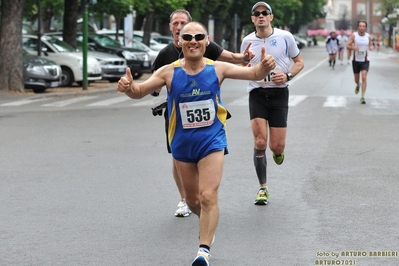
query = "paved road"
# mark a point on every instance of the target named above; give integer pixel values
(86, 181)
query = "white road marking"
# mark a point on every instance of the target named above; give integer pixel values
(335, 101)
(110, 101)
(295, 99)
(23, 102)
(145, 103)
(70, 101)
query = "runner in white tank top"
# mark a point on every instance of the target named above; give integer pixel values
(360, 43)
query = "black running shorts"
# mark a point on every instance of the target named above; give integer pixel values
(269, 104)
(359, 66)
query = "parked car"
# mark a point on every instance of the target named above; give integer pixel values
(302, 42)
(308, 40)
(113, 67)
(299, 45)
(137, 60)
(40, 73)
(155, 45)
(137, 35)
(136, 44)
(163, 39)
(152, 53)
(63, 54)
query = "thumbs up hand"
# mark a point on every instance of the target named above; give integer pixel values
(125, 82)
(267, 60)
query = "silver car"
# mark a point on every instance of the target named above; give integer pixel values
(40, 73)
(113, 67)
(63, 54)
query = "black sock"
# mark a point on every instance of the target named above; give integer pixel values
(205, 246)
(260, 165)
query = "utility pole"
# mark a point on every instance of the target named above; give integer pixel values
(86, 4)
(39, 25)
(368, 10)
(85, 43)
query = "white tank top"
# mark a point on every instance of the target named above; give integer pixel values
(363, 43)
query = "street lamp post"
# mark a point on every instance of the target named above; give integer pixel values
(85, 43)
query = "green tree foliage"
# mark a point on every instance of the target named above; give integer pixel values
(389, 7)
(156, 11)
(305, 12)
(50, 9)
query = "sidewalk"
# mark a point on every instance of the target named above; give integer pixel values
(101, 86)
(391, 52)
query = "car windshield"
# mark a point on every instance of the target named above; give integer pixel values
(163, 40)
(140, 46)
(105, 40)
(59, 45)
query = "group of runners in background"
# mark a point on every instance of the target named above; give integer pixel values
(357, 46)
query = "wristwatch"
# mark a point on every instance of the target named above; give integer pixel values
(289, 76)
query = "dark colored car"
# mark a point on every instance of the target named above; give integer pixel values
(138, 61)
(40, 73)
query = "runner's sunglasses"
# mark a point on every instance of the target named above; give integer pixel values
(264, 13)
(189, 37)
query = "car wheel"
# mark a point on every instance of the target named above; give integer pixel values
(137, 75)
(66, 77)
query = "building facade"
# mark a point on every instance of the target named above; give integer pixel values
(345, 14)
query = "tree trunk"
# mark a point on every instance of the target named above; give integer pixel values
(139, 21)
(149, 21)
(46, 21)
(70, 21)
(11, 66)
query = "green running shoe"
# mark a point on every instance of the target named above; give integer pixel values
(262, 196)
(357, 88)
(362, 101)
(278, 159)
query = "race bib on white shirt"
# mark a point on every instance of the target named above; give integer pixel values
(197, 114)
(360, 53)
(268, 79)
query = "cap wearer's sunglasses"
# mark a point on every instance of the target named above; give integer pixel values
(264, 13)
(189, 37)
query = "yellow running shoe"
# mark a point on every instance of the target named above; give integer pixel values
(262, 196)
(278, 159)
